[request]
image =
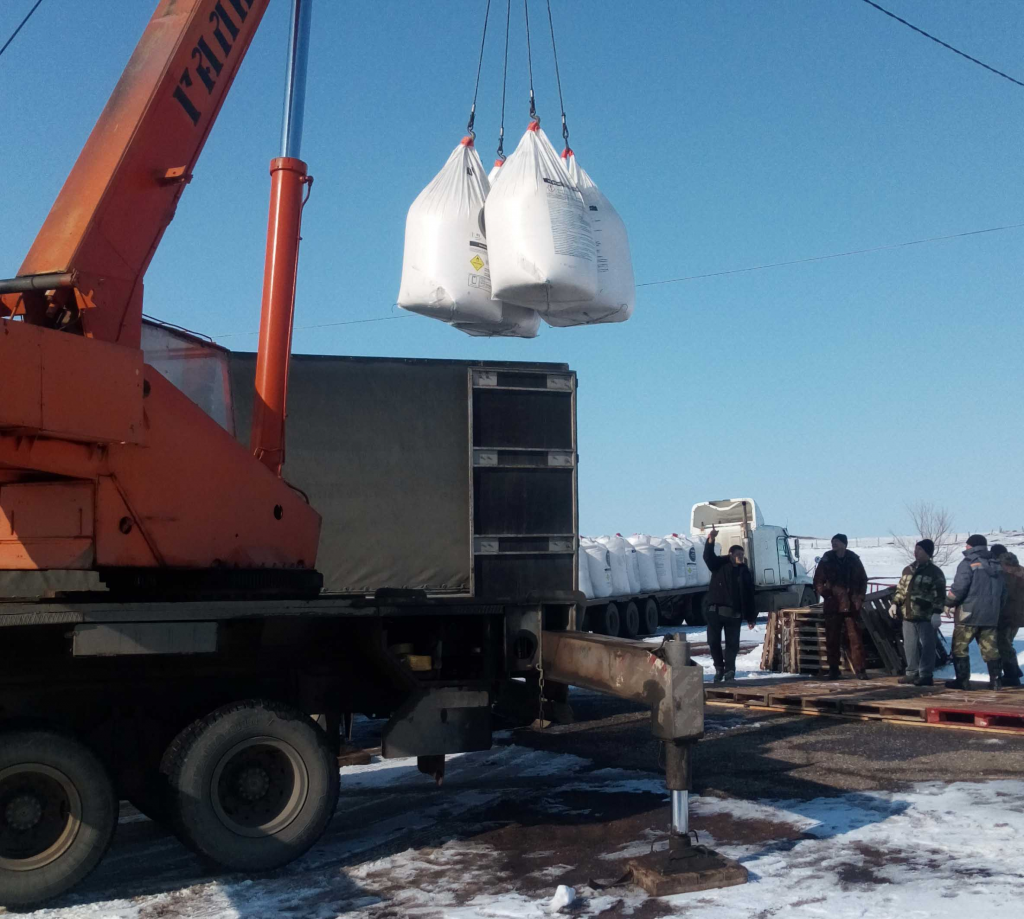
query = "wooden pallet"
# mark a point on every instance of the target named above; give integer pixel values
(795, 639)
(881, 699)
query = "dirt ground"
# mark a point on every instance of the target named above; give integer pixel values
(540, 809)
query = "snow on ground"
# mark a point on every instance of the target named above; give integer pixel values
(934, 850)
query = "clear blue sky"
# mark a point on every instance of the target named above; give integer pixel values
(727, 135)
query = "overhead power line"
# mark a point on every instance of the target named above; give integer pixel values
(939, 41)
(692, 277)
(14, 34)
(822, 258)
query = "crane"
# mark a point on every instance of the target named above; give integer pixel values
(104, 464)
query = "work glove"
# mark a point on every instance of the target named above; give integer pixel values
(894, 611)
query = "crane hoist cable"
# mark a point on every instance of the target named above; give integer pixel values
(479, 66)
(558, 78)
(504, 82)
(529, 62)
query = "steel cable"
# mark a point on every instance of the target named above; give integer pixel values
(479, 67)
(558, 78)
(529, 61)
(504, 82)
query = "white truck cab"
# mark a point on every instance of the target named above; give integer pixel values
(770, 556)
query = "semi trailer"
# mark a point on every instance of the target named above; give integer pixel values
(780, 581)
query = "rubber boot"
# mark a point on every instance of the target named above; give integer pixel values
(1011, 674)
(962, 667)
(908, 679)
(728, 676)
(719, 676)
(833, 674)
(995, 674)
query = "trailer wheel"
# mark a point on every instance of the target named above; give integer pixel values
(649, 616)
(609, 621)
(58, 813)
(631, 620)
(253, 785)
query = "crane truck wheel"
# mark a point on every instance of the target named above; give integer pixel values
(58, 813)
(649, 616)
(253, 785)
(631, 620)
(609, 621)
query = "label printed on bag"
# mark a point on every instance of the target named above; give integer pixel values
(569, 227)
(477, 262)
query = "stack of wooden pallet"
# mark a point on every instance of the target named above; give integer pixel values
(795, 640)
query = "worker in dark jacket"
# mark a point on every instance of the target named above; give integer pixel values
(841, 581)
(979, 590)
(1011, 618)
(730, 600)
(920, 594)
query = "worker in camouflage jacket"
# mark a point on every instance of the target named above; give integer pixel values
(979, 594)
(1011, 618)
(840, 580)
(920, 594)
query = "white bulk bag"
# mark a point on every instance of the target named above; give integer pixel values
(444, 270)
(645, 557)
(691, 558)
(515, 322)
(541, 243)
(663, 562)
(616, 290)
(492, 176)
(600, 571)
(679, 553)
(617, 543)
(583, 569)
(621, 581)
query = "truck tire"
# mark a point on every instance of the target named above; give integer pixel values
(631, 620)
(609, 622)
(58, 813)
(649, 616)
(808, 597)
(252, 785)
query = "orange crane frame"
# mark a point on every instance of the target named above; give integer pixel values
(103, 463)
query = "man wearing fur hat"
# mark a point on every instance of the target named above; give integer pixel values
(979, 590)
(920, 594)
(841, 581)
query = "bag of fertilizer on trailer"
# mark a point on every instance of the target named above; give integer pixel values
(621, 582)
(541, 242)
(645, 553)
(445, 268)
(616, 290)
(689, 558)
(662, 562)
(598, 568)
(678, 552)
(617, 544)
(583, 574)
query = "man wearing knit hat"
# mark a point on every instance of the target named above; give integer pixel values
(841, 581)
(979, 590)
(919, 595)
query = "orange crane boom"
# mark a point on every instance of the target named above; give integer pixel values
(103, 463)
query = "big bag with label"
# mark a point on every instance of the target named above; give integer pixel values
(541, 242)
(444, 270)
(616, 289)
